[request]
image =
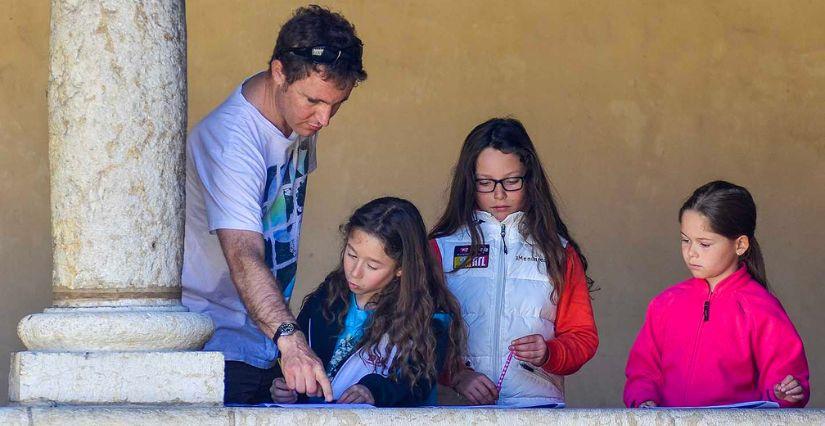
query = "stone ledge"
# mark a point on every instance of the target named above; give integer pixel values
(14, 416)
(46, 378)
(234, 416)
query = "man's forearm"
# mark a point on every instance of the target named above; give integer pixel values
(260, 293)
(262, 296)
(258, 288)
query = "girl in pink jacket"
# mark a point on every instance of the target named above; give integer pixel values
(720, 337)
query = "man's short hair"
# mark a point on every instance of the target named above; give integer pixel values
(311, 28)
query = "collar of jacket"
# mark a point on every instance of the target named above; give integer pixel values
(730, 284)
(511, 222)
(514, 219)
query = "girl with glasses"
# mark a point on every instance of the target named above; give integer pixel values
(517, 273)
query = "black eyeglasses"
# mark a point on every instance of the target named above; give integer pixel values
(319, 54)
(509, 184)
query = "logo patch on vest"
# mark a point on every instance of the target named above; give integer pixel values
(530, 259)
(480, 260)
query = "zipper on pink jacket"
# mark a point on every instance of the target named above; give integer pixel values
(706, 310)
(705, 318)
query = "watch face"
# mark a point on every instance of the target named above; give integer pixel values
(286, 329)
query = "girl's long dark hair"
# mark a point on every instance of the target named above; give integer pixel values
(402, 311)
(731, 212)
(542, 221)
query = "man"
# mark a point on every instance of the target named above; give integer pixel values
(246, 174)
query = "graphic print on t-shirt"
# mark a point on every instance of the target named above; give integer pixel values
(284, 193)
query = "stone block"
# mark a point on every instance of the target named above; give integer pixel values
(237, 416)
(137, 416)
(14, 416)
(446, 416)
(45, 378)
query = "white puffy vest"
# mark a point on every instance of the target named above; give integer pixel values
(505, 294)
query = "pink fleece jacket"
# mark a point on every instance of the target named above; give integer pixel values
(699, 348)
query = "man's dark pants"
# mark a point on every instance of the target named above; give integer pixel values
(245, 384)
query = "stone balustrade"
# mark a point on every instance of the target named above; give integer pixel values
(205, 416)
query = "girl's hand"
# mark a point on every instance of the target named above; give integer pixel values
(356, 394)
(281, 393)
(789, 390)
(532, 349)
(476, 387)
(648, 404)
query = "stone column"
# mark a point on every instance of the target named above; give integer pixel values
(117, 332)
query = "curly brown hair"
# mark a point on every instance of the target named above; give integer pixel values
(312, 26)
(403, 311)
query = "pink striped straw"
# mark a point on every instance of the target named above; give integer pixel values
(504, 370)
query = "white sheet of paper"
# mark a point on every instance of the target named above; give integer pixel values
(333, 406)
(749, 404)
(277, 405)
(498, 407)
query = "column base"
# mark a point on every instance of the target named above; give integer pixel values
(48, 378)
(115, 329)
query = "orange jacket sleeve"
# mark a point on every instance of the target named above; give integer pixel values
(576, 336)
(435, 250)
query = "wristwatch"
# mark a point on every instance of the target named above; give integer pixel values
(285, 329)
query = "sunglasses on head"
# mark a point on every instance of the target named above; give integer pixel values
(319, 54)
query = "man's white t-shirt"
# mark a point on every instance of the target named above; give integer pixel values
(241, 173)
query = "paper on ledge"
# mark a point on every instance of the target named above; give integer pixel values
(749, 404)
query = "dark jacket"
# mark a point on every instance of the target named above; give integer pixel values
(385, 391)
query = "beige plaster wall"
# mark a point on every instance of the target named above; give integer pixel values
(25, 243)
(631, 104)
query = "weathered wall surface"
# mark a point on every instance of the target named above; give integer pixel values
(632, 106)
(25, 244)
